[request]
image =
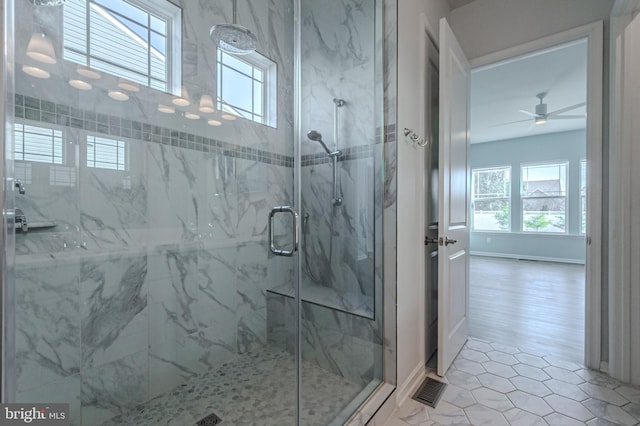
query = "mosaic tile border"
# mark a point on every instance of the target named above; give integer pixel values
(63, 115)
(39, 110)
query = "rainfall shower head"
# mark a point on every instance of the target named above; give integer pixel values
(233, 38)
(47, 2)
(317, 137)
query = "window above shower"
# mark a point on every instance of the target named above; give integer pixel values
(147, 34)
(247, 86)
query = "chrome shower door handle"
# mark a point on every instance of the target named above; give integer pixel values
(296, 234)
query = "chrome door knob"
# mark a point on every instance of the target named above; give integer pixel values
(446, 241)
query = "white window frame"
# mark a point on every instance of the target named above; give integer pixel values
(508, 198)
(524, 198)
(269, 87)
(57, 138)
(159, 8)
(118, 144)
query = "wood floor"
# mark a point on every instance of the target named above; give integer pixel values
(529, 304)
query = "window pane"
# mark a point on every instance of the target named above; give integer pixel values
(491, 215)
(142, 51)
(492, 183)
(159, 25)
(544, 214)
(159, 43)
(106, 153)
(125, 9)
(38, 144)
(236, 63)
(257, 98)
(544, 180)
(236, 89)
(241, 85)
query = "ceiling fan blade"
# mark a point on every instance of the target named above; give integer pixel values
(529, 113)
(565, 109)
(556, 117)
(511, 122)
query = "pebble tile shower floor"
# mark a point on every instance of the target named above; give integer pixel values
(253, 389)
(494, 384)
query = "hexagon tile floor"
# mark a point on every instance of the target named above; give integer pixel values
(493, 384)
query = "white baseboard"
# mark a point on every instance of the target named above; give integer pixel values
(526, 257)
(410, 385)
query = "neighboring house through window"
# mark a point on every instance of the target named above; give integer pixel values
(544, 197)
(146, 35)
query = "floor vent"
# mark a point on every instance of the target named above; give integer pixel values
(210, 420)
(429, 392)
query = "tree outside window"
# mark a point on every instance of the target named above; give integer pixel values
(544, 197)
(491, 199)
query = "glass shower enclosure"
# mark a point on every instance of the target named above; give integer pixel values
(193, 231)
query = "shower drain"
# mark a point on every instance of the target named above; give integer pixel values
(429, 392)
(210, 420)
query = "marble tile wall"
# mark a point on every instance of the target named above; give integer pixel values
(337, 341)
(339, 60)
(156, 273)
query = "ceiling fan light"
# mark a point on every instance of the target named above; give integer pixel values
(541, 120)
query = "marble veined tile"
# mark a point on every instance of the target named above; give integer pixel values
(47, 325)
(113, 388)
(113, 307)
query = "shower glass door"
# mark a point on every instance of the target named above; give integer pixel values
(146, 163)
(156, 270)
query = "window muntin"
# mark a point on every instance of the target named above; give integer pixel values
(491, 196)
(583, 196)
(246, 86)
(544, 197)
(146, 32)
(38, 144)
(103, 153)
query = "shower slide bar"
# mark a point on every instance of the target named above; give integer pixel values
(337, 103)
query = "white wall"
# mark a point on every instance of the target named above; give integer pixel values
(624, 200)
(487, 26)
(410, 166)
(482, 27)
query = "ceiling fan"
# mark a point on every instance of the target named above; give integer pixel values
(541, 115)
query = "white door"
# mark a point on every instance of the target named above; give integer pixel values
(453, 215)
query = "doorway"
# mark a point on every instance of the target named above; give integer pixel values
(535, 174)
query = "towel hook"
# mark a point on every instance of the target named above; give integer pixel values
(414, 137)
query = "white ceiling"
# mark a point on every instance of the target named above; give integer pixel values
(499, 92)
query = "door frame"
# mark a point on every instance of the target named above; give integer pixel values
(624, 297)
(593, 33)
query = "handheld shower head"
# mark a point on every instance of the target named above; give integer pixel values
(316, 136)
